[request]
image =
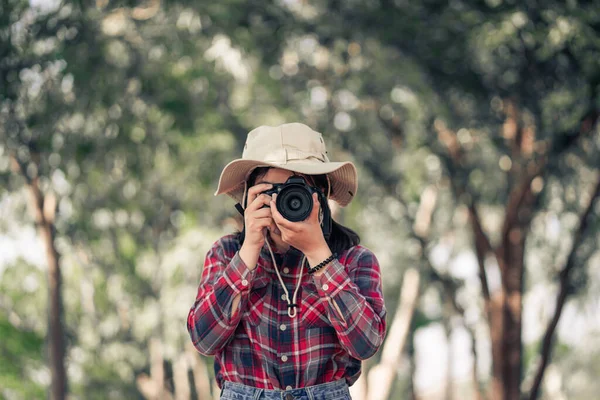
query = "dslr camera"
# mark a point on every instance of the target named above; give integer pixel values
(294, 201)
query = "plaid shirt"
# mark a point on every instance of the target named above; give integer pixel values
(260, 345)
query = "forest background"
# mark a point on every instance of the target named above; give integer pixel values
(474, 126)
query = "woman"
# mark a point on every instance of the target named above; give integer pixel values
(288, 309)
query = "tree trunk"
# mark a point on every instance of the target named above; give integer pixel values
(200, 373)
(412, 391)
(44, 210)
(495, 322)
(511, 315)
(511, 260)
(153, 387)
(360, 391)
(505, 320)
(180, 378)
(563, 292)
(477, 395)
(449, 386)
(216, 391)
(383, 375)
(55, 326)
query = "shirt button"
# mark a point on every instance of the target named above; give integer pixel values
(245, 282)
(283, 297)
(289, 388)
(286, 270)
(325, 287)
(284, 358)
(282, 327)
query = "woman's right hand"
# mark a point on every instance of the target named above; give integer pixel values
(256, 220)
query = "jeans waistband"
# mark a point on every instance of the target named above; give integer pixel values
(337, 390)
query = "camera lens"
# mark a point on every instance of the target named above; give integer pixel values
(294, 202)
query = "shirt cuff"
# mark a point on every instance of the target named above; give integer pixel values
(238, 276)
(333, 280)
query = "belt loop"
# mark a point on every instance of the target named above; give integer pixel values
(257, 394)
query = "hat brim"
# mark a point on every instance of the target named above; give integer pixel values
(343, 177)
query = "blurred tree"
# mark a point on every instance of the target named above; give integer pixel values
(469, 120)
(108, 114)
(504, 94)
(30, 73)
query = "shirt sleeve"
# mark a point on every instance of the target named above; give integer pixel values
(355, 303)
(211, 322)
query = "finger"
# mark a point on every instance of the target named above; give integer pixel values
(273, 228)
(259, 188)
(314, 214)
(256, 190)
(264, 222)
(260, 201)
(261, 213)
(279, 219)
(260, 224)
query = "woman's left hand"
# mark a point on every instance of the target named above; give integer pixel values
(306, 236)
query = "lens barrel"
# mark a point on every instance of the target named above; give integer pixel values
(294, 201)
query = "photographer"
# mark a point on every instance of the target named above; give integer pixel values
(292, 304)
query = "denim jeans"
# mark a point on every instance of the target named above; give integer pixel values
(337, 390)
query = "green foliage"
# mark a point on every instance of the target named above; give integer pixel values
(21, 353)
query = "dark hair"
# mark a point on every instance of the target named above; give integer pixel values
(341, 238)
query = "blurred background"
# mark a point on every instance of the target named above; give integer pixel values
(474, 126)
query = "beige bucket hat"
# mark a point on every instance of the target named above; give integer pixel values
(294, 147)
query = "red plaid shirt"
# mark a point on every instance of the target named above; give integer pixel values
(260, 345)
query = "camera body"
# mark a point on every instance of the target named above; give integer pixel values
(294, 201)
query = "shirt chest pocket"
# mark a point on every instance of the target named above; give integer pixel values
(313, 309)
